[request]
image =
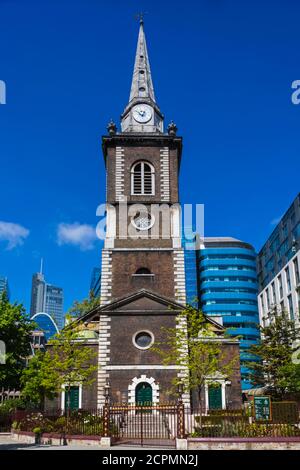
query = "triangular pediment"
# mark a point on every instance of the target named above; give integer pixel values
(142, 301)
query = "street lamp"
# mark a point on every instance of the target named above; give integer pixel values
(180, 390)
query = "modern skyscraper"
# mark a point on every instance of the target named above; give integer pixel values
(37, 293)
(278, 267)
(4, 286)
(46, 298)
(54, 299)
(223, 272)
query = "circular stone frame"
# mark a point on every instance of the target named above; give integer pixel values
(151, 223)
(145, 332)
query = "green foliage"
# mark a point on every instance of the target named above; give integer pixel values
(80, 308)
(77, 423)
(15, 331)
(289, 377)
(40, 380)
(278, 345)
(11, 405)
(195, 348)
(66, 362)
(15, 425)
(242, 429)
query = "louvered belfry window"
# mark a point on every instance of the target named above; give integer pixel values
(142, 179)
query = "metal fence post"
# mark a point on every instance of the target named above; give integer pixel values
(180, 420)
(106, 420)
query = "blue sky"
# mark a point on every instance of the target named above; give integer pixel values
(222, 70)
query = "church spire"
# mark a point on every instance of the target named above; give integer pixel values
(142, 114)
(142, 85)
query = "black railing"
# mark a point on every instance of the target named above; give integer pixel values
(156, 424)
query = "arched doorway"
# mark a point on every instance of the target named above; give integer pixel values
(143, 394)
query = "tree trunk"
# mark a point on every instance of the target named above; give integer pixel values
(200, 407)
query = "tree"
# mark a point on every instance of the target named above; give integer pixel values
(196, 349)
(66, 362)
(78, 308)
(40, 380)
(15, 332)
(279, 342)
(289, 378)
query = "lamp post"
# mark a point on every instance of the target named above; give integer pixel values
(180, 412)
(180, 390)
(106, 411)
(107, 392)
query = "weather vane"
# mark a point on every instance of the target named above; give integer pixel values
(140, 16)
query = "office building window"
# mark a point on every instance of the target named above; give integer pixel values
(280, 286)
(274, 293)
(296, 270)
(268, 299)
(291, 309)
(288, 279)
(262, 303)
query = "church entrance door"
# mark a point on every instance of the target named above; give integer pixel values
(143, 394)
(215, 397)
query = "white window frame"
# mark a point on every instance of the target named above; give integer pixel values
(143, 163)
(220, 381)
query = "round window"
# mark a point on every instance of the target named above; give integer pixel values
(143, 339)
(143, 221)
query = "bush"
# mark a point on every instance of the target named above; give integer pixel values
(78, 422)
(241, 429)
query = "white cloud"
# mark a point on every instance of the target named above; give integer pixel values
(81, 235)
(13, 234)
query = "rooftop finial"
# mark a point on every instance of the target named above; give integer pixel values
(140, 16)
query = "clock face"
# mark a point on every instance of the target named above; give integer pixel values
(142, 113)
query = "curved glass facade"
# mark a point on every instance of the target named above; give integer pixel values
(228, 288)
(46, 324)
(223, 274)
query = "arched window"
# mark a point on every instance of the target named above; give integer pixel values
(142, 179)
(143, 271)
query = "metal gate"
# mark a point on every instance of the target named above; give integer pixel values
(154, 425)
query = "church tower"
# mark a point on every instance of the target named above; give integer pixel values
(143, 242)
(143, 276)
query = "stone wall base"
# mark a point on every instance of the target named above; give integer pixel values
(244, 444)
(56, 439)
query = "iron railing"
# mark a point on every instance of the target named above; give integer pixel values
(156, 424)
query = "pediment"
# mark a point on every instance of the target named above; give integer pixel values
(143, 301)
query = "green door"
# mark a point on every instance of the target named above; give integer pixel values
(215, 397)
(143, 394)
(72, 398)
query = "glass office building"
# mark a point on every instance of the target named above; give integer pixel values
(45, 324)
(227, 287)
(189, 243)
(278, 268)
(47, 298)
(54, 299)
(281, 246)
